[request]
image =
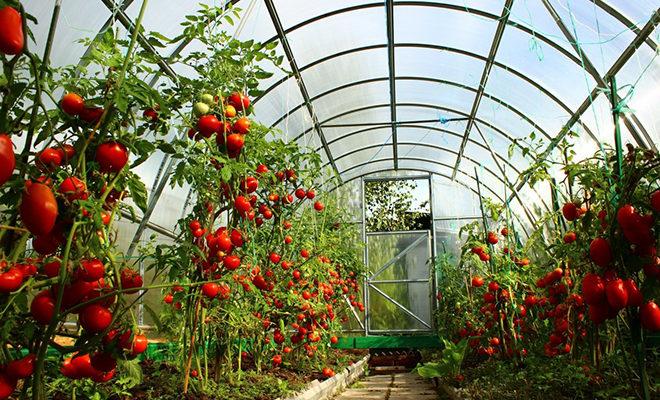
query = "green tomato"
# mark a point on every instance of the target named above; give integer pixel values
(201, 109)
(208, 99)
(3, 80)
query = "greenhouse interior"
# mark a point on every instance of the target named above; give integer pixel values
(329, 199)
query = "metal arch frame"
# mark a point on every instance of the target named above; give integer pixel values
(440, 148)
(629, 51)
(412, 126)
(416, 105)
(466, 53)
(420, 79)
(391, 64)
(465, 185)
(301, 83)
(495, 45)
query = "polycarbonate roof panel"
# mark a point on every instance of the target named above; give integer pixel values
(506, 119)
(429, 112)
(296, 123)
(293, 12)
(347, 69)
(446, 27)
(425, 165)
(374, 166)
(639, 11)
(364, 156)
(278, 102)
(423, 134)
(332, 35)
(417, 91)
(523, 95)
(351, 98)
(447, 157)
(438, 64)
(490, 6)
(545, 65)
(357, 141)
(366, 113)
(602, 45)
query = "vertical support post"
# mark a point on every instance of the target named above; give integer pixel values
(555, 203)
(617, 128)
(365, 284)
(434, 280)
(483, 213)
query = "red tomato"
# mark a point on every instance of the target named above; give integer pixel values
(593, 289)
(101, 377)
(72, 104)
(91, 270)
(82, 365)
(319, 206)
(493, 286)
(42, 308)
(38, 208)
(616, 293)
(7, 384)
(600, 252)
(570, 237)
(208, 125)
(210, 289)
(111, 156)
(95, 318)
(635, 297)
(242, 205)
(11, 34)
(168, 299)
(571, 211)
(68, 369)
(655, 201)
(328, 372)
(304, 253)
(239, 101)
(73, 189)
(232, 262)
(262, 169)
(11, 280)
(477, 281)
(131, 279)
(49, 159)
(151, 114)
(21, 368)
(230, 111)
(311, 194)
(650, 316)
(235, 143)
(102, 361)
(277, 360)
(7, 158)
(91, 115)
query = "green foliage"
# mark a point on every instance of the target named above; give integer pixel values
(389, 206)
(449, 363)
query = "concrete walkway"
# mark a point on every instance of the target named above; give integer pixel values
(406, 386)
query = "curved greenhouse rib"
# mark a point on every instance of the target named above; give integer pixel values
(415, 105)
(446, 150)
(424, 127)
(509, 107)
(466, 53)
(419, 159)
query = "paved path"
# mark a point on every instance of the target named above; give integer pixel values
(405, 386)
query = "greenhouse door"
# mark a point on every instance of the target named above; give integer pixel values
(398, 285)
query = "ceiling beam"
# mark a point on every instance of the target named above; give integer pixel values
(301, 84)
(627, 53)
(389, 15)
(497, 39)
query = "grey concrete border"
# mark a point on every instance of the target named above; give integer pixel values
(325, 390)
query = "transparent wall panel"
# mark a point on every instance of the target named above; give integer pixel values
(447, 239)
(383, 249)
(438, 64)
(545, 65)
(500, 146)
(350, 196)
(355, 67)
(295, 124)
(453, 200)
(483, 157)
(351, 98)
(77, 20)
(364, 156)
(386, 316)
(641, 76)
(451, 28)
(400, 173)
(332, 35)
(358, 141)
(491, 185)
(278, 102)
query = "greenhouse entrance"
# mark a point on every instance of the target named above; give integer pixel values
(398, 250)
